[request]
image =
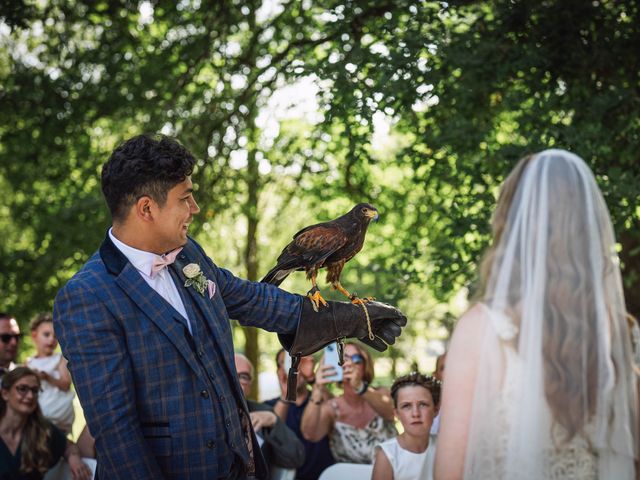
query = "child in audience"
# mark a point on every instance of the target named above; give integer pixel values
(409, 456)
(56, 399)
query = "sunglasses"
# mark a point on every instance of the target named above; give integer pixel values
(6, 337)
(356, 358)
(24, 389)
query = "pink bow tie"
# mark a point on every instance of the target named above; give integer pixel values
(159, 262)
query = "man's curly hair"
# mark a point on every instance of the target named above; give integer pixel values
(143, 165)
(416, 378)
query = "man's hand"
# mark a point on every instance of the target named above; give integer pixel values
(262, 419)
(375, 323)
(386, 323)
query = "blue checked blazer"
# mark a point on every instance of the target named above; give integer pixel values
(138, 378)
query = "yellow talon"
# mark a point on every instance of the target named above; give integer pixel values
(359, 301)
(316, 299)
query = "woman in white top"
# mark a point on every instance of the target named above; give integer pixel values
(539, 380)
(410, 455)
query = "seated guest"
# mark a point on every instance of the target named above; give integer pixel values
(29, 444)
(280, 446)
(357, 420)
(9, 342)
(317, 454)
(438, 374)
(410, 455)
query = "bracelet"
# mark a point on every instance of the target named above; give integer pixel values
(363, 388)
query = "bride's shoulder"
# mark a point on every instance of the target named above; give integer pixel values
(475, 318)
(470, 326)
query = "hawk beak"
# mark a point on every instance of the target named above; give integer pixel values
(373, 215)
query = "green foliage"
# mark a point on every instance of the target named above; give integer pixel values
(466, 89)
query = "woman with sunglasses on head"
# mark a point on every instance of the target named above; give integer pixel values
(29, 444)
(357, 420)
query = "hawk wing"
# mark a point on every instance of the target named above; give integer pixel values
(310, 247)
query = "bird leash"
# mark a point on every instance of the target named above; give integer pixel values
(292, 378)
(366, 314)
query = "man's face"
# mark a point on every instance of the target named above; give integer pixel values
(171, 221)
(245, 374)
(9, 340)
(306, 374)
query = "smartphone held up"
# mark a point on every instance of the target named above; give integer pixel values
(331, 359)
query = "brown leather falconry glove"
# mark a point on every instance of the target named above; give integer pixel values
(378, 327)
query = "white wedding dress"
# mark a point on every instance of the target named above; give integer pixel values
(560, 460)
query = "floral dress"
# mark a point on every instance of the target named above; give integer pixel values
(357, 445)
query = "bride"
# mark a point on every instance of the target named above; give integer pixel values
(539, 381)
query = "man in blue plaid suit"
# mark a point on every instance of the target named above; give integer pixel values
(145, 328)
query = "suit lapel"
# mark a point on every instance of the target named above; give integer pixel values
(149, 302)
(205, 305)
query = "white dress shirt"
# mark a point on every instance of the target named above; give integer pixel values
(161, 281)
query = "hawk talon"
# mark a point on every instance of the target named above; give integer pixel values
(315, 298)
(357, 300)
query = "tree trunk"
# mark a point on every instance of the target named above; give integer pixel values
(251, 346)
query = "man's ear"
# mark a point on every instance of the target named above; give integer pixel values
(143, 208)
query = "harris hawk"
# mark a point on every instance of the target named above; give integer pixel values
(327, 244)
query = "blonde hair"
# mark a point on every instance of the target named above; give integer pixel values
(499, 221)
(36, 456)
(568, 311)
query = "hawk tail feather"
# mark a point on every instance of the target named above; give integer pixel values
(276, 276)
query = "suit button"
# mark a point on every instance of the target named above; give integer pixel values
(204, 394)
(222, 398)
(228, 424)
(211, 444)
(201, 353)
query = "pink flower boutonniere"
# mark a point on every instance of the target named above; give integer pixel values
(195, 277)
(197, 280)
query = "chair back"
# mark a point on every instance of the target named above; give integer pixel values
(279, 473)
(347, 471)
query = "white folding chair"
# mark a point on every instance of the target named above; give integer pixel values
(350, 471)
(279, 473)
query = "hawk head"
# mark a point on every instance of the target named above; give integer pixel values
(365, 212)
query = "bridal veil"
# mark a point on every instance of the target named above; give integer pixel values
(556, 395)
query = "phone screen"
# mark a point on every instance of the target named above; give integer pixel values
(331, 358)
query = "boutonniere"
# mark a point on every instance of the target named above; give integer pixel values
(195, 278)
